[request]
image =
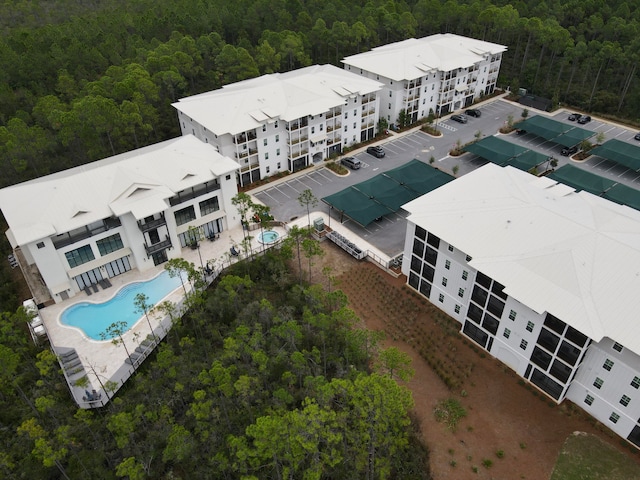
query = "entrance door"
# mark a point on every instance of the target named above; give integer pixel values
(154, 237)
(160, 257)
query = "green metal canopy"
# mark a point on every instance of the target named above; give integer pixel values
(620, 152)
(495, 149)
(385, 193)
(555, 131)
(624, 195)
(582, 180)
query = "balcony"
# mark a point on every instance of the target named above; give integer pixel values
(297, 125)
(69, 238)
(296, 141)
(158, 222)
(158, 247)
(244, 137)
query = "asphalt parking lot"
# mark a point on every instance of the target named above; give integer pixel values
(388, 233)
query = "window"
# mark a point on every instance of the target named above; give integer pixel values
(228, 177)
(441, 298)
(266, 156)
(354, 124)
(444, 282)
(265, 142)
(277, 138)
(267, 170)
(389, 104)
(264, 127)
(79, 256)
(345, 128)
(512, 315)
(614, 417)
(450, 247)
(607, 365)
(390, 93)
(185, 215)
(346, 115)
(506, 333)
(617, 347)
(465, 274)
(313, 129)
(461, 292)
(530, 326)
(468, 258)
(625, 400)
(523, 344)
(278, 167)
(457, 308)
(109, 244)
(276, 126)
(598, 382)
(447, 264)
(588, 400)
(635, 383)
(40, 244)
(278, 153)
(355, 111)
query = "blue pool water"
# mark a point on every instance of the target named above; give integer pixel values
(268, 237)
(94, 318)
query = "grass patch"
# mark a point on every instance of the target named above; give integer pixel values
(586, 456)
(450, 412)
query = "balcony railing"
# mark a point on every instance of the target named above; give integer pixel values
(158, 247)
(296, 141)
(69, 238)
(158, 222)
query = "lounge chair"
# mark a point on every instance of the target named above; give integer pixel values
(102, 284)
(68, 354)
(107, 282)
(95, 288)
(234, 252)
(87, 290)
(69, 359)
(71, 365)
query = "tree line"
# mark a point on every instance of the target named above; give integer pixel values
(265, 377)
(73, 90)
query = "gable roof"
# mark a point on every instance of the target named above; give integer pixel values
(140, 182)
(568, 253)
(413, 58)
(248, 104)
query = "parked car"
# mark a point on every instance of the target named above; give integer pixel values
(573, 117)
(473, 112)
(584, 119)
(521, 132)
(352, 163)
(376, 151)
(459, 118)
(637, 137)
(566, 151)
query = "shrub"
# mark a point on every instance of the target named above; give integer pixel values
(500, 454)
(450, 412)
(487, 463)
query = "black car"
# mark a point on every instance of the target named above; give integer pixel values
(376, 151)
(566, 151)
(637, 137)
(459, 118)
(584, 119)
(573, 117)
(472, 112)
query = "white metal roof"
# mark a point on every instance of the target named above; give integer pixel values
(413, 58)
(574, 255)
(139, 182)
(248, 104)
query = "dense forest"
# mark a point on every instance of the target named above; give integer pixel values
(85, 79)
(264, 378)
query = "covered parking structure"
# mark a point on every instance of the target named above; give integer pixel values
(619, 152)
(592, 183)
(385, 193)
(504, 153)
(554, 131)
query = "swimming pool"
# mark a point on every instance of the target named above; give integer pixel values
(268, 237)
(94, 318)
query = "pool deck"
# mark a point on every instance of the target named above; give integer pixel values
(103, 361)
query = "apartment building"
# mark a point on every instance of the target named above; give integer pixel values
(441, 74)
(542, 277)
(283, 122)
(74, 228)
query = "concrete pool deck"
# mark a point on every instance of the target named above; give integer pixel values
(102, 362)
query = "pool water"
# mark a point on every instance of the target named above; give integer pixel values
(95, 318)
(268, 237)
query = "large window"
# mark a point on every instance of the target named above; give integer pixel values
(185, 215)
(209, 206)
(79, 256)
(109, 244)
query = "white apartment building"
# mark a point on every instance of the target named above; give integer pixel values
(74, 228)
(441, 74)
(544, 278)
(283, 121)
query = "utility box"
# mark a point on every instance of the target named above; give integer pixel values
(318, 224)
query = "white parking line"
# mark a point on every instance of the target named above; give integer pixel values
(285, 184)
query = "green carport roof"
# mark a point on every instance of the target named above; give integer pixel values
(555, 131)
(619, 152)
(385, 193)
(624, 195)
(495, 149)
(527, 160)
(582, 180)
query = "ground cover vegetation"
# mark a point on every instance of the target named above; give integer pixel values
(264, 378)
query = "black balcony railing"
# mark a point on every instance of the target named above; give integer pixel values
(157, 247)
(158, 222)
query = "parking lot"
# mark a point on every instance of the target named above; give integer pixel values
(388, 233)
